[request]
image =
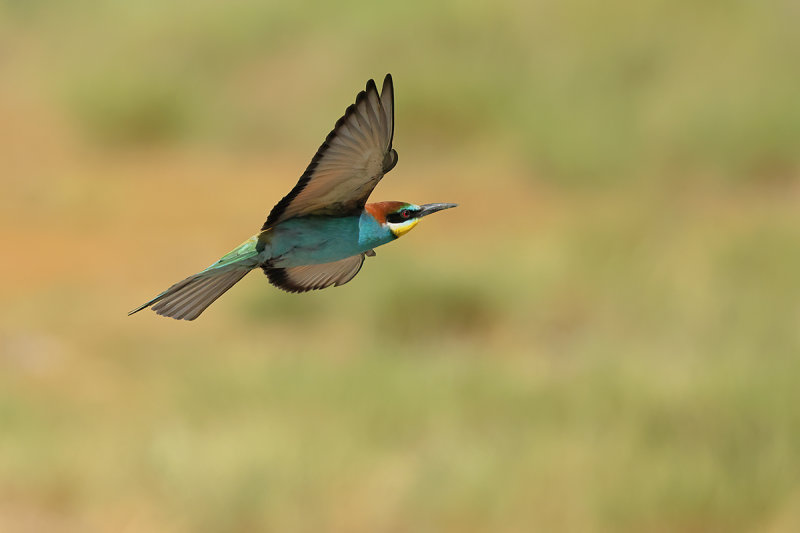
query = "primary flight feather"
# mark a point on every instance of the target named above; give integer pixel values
(318, 235)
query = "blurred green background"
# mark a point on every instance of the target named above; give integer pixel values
(603, 337)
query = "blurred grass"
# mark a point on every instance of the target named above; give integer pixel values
(582, 92)
(604, 336)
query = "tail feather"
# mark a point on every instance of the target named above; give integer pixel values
(190, 292)
(188, 298)
(190, 306)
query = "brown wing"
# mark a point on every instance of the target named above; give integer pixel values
(349, 164)
(312, 277)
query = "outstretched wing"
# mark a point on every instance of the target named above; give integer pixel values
(349, 164)
(312, 277)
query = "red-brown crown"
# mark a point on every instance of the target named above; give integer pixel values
(379, 210)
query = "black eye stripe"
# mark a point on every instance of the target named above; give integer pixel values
(398, 217)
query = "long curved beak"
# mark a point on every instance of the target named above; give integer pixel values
(427, 209)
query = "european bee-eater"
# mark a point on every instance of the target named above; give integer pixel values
(319, 233)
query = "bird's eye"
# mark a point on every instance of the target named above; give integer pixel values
(405, 213)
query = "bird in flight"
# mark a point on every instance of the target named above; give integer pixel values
(318, 235)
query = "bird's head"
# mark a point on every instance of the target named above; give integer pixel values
(401, 217)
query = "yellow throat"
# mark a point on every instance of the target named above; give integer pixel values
(404, 227)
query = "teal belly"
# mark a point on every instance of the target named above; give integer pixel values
(314, 240)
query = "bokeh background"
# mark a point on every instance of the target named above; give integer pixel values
(603, 337)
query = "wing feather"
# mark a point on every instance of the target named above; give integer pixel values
(313, 277)
(349, 164)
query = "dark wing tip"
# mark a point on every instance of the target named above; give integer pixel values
(387, 92)
(360, 98)
(279, 277)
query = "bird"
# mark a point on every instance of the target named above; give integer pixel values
(320, 233)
